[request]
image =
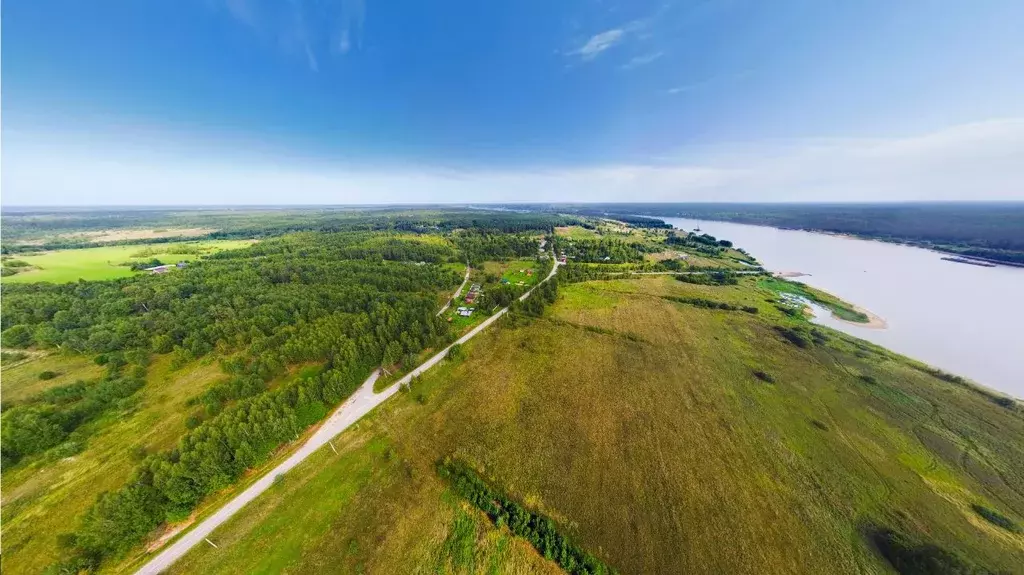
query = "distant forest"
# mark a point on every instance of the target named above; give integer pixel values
(989, 230)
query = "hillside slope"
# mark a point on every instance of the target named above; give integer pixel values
(663, 437)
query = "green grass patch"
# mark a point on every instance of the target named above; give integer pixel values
(62, 266)
(577, 233)
(21, 379)
(842, 309)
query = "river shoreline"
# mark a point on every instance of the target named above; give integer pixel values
(906, 288)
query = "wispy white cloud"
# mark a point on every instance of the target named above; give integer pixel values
(717, 80)
(642, 60)
(599, 43)
(977, 161)
(603, 41)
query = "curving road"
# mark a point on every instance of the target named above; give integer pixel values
(355, 407)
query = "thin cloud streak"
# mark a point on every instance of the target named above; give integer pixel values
(642, 60)
(709, 82)
(599, 43)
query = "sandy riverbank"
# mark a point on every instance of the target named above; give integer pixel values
(874, 321)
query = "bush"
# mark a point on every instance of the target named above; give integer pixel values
(455, 352)
(764, 376)
(47, 375)
(996, 518)
(793, 336)
(17, 336)
(908, 557)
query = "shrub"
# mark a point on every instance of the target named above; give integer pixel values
(47, 375)
(455, 352)
(908, 557)
(17, 336)
(996, 518)
(794, 336)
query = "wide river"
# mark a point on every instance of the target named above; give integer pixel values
(961, 318)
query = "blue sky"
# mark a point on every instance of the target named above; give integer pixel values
(357, 101)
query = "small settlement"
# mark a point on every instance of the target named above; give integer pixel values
(474, 292)
(162, 269)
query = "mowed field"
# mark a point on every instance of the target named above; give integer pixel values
(639, 425)
(62, 266)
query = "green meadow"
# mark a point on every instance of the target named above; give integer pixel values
(662, 437)
(109, 262)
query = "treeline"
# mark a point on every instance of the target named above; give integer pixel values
(539, 530)
(711, 304)
(703, 243)
(575, 273)
(711, 278)
(543, 295)
(603, 250)
(480, 245)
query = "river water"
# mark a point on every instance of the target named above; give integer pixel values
(961, 318)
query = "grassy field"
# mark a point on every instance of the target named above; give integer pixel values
(510, 271)
(662, 437)
(61, 266)
(20, 380)
(577, 233)
(44, 499)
